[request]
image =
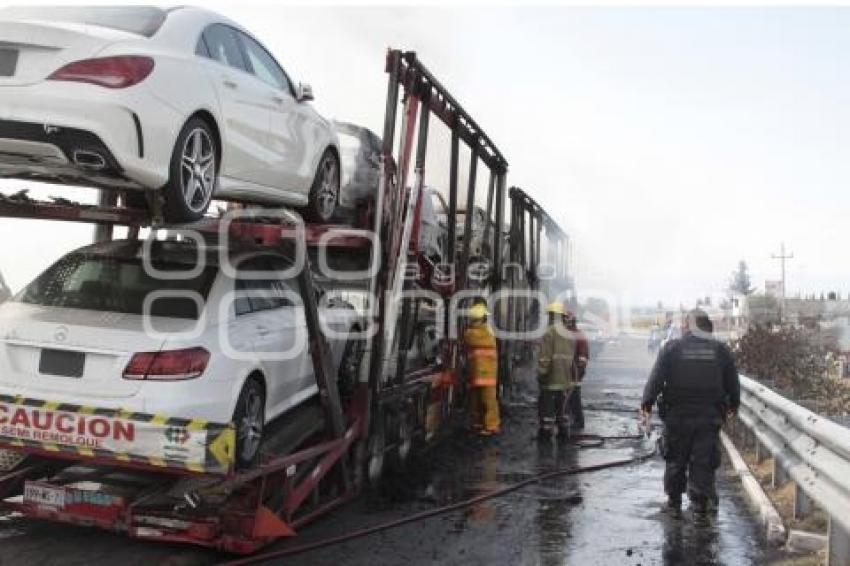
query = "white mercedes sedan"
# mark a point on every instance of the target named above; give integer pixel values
(173, 336)
(180, 104)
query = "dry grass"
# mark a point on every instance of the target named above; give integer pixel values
(816, 559)
(783, 497)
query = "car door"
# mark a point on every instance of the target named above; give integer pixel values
(276, 325)
(294, 133)
(244, 102)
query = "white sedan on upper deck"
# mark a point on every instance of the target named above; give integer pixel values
(179, 100)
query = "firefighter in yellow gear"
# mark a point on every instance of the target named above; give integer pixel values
(483, 363)
(555, 375)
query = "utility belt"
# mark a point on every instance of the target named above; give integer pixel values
(695, 410)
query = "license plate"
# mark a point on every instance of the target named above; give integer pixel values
(8, 61)
(44, 495)
(62, 362)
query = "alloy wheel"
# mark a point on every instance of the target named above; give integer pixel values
(197, 169)
(326, 197)
(250, 427)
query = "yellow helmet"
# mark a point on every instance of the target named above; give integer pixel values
(478, 312)
(555, 308)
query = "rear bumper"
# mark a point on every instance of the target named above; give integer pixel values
(37, 151)
(185, 399)
(41, 125)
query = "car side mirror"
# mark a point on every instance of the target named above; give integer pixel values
(304, 92)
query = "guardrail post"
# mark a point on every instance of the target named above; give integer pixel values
(762, 453)
(778, 474)
(746, 438)
(803, 504)
(838, 546)
(740, 432)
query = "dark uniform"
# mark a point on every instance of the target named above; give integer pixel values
(695, 382)
(580, 362)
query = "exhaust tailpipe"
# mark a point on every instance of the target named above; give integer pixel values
(89, 160)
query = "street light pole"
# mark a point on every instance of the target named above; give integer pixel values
(782, 257)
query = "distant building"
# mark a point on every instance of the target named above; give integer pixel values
(773, 289)
(737, 314)
(815, 312)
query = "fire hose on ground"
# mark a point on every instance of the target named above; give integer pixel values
(581, 440)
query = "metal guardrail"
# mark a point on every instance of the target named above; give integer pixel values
(809, 449)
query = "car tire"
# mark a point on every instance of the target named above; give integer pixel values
(249, 419)
(193, 173)
(324, 193)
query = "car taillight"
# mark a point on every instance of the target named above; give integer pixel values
(111, 72)
(168, 365)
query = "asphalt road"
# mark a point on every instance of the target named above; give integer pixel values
(606, 517)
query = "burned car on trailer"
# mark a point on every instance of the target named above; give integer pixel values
(360, 166)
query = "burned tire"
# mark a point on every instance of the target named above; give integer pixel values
(324, 193)
(193, 173)
(249, 419)
(375, 457)
(405, 442)
(368, 461)
(349, 370)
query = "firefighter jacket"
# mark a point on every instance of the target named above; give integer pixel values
(555, 362)
(482, 355)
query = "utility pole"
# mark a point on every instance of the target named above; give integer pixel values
(782, 257)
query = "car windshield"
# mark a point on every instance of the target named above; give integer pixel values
(140, 20)
(113, 284)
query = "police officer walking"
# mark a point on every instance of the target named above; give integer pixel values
(696, 385)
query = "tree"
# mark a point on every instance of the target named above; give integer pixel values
(740, 280)
(795, 362)
(787, 356)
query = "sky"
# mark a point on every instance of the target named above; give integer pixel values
(670, 143)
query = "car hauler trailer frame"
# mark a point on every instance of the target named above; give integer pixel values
(528, 273)
(333, 451)
(410, 405)
(150, 496)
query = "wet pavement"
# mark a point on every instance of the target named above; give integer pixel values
(605, 517)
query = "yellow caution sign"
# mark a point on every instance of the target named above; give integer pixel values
(116, 434)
